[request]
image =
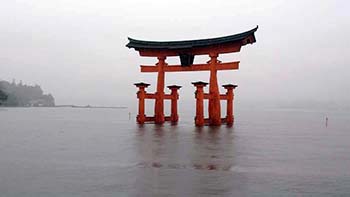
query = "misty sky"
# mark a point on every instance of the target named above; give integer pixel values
(75, 49)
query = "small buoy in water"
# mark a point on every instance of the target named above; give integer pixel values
(326, 121)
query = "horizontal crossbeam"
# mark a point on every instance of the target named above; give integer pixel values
(222, 96)
(154, 96)
(194, 67)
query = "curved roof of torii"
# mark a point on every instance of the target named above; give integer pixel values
(188, 44)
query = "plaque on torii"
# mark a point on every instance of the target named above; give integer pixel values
(187, 50)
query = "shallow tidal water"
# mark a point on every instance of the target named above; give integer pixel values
(101, 152)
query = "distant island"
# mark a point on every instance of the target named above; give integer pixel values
(89, 106)
(22, 95)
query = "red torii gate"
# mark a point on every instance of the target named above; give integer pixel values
(187, 50)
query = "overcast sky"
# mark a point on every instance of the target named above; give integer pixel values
(75, 49)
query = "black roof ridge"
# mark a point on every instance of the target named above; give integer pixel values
(137, 44)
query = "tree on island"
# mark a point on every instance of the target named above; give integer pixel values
(3, 97)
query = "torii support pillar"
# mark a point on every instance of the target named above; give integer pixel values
(229, 98)
(141, 95)
(199, 119)
(174, 117)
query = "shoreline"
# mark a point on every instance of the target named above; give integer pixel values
(67, 106)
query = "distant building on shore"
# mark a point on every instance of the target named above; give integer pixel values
(19, 95)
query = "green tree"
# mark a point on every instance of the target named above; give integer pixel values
(3, 97)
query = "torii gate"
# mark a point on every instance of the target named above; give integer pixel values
(187, 50)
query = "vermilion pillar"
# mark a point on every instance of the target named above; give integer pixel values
(141, 95)
(229, 97)
(159, 104)
(174, 117)
(199, 119)
(214, 99)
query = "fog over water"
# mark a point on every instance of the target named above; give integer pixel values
(76, 50)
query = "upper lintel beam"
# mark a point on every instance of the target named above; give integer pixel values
(219, 49)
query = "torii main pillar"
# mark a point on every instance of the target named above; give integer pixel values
(214, 100)
(159, 103)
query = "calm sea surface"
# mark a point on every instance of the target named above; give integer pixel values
(101, 152)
